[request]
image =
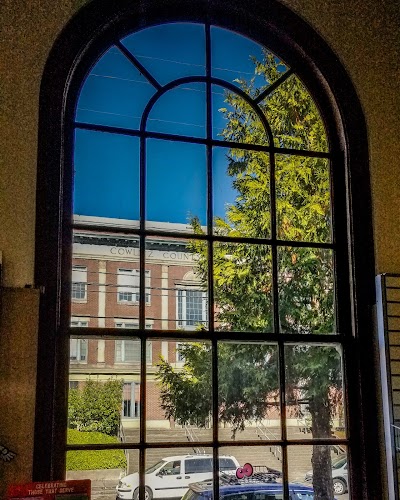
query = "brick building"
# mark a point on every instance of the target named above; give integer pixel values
(105, 293)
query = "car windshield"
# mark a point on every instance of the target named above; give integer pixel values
(339, 463)
(155, 467)
(227, 464)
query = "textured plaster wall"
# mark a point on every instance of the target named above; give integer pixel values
(18, 340)
(365, 34)
(28, 30)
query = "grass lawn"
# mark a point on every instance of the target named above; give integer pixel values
(93, 459)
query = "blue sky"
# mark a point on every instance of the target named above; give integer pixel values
(115, 94)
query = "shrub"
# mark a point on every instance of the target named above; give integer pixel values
(96, 407)
(93, 459)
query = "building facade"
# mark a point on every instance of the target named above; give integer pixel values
(105, 294)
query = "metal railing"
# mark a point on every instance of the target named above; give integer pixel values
(304, 424)
(122, 438)
(264, 432)
(191, 436)
(339, 449)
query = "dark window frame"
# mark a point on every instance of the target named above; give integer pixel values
(84, 38)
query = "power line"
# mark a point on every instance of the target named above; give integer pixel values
(145, 82)
(185, 63)
(149, 119)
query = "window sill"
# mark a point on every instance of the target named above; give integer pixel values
(129, 303)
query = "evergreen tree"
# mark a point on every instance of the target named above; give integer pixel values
(248, 373)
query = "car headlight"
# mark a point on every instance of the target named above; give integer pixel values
(123, 486)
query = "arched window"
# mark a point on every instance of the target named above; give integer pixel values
(199, 144)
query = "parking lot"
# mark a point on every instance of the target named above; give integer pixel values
(104, 483)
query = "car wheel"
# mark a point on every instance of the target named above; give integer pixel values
(148, 494)
(339, 486)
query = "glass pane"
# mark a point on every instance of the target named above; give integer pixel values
(178, 288)
(104, 396)
(109, 296)
(322, 468)
(233, 119)
(106, 181)
(169, 51)
(241, 193)
(242, 287)
(306, 290)
(266, 467)
(115, 93)
(179, 392)
(105, 468)
(244, 63)
(248, 380)
(303, 203)
(314, 391)
(176, 184)
(181, 111)
(294, 118)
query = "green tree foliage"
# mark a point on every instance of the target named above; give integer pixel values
(96, 407)
(243, 291)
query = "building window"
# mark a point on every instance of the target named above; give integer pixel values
(78, 349)
(180, 358)
(191, 309)
(128, 351)
(241, 157)
(79, 283)
(131, 400)
(79, 323)
(128, 285)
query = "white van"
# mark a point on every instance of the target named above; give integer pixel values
(170, 477)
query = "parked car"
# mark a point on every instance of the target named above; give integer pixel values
(170, 477)
(257, 487)
(339, 476)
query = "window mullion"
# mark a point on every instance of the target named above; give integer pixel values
(142, 315)
(281, 345)
(184, 309)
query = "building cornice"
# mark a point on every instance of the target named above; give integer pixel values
(131, 242)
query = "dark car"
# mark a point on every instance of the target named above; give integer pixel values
(257, 487)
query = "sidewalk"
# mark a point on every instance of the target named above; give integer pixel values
(104, 481)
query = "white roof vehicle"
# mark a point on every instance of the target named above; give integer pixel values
(170, 477)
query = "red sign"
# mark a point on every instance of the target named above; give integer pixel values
(51, 490)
